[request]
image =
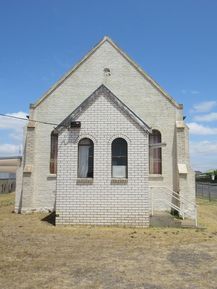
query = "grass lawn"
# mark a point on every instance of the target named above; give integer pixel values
(35, 254)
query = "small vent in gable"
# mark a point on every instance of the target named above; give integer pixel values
(107, 71)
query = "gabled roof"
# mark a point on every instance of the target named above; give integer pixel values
(136, 66)
(101, 91)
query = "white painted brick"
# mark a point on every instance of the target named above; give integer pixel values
(103, 202)
(38, 190)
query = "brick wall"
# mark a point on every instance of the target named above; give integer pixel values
(134, 90)
(103, 202)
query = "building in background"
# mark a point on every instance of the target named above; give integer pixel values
(7, 182)
(8, 167)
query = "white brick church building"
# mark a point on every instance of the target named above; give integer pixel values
(111, 147)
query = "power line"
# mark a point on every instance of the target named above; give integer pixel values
(26, 119)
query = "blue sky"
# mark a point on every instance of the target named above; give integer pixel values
(174, 41)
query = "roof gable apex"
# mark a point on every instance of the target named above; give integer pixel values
(121, 52)
(101, 91)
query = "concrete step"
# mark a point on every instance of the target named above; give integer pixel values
(187, 223)
(165, 219)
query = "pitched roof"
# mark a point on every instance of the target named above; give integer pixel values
(136, 66)
(102, 90)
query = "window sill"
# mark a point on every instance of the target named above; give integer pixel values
(27, 169)
(84, 181)
(117, 181)
(52, 176)
(155, 176)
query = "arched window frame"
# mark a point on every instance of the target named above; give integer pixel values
(119, 158)
(155, 153)
(53, 152)
(85, 158)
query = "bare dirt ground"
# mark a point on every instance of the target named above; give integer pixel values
(35, 254)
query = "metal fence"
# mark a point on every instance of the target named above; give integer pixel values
(206, 190)
(7, 185)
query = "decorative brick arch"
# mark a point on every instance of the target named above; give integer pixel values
(86, 135)
(126, 138)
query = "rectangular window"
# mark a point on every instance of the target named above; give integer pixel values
(53, 153)
(155, 153)
(155, 160)
(119, 158)
(85, 158)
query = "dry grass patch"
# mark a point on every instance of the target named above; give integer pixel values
(35, 254)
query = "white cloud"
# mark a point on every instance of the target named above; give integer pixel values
(9, 149)
(206, 117)
(205, 106)
(204, 147)
(16, 137)
(11, 133)
(14, 126)
(199, 129)
(203, 155)
(12, 123)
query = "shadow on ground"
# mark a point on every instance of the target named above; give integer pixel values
(50, 218)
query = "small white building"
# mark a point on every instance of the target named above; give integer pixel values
(108, 146)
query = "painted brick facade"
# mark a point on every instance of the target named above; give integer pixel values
(37, 189)
(103, 202)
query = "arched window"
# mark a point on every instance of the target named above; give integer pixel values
(119, 158)
(85, 158)
(155, 154)
(53, 152)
